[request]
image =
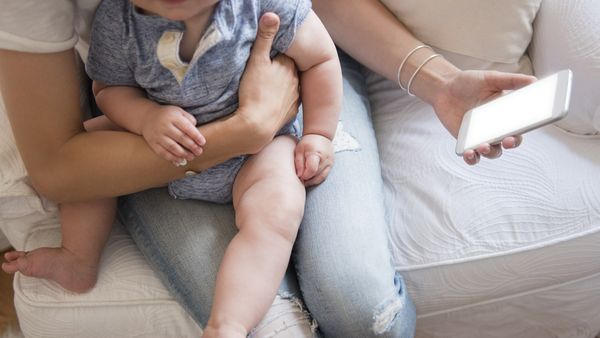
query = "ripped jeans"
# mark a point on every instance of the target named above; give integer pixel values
(340, 269)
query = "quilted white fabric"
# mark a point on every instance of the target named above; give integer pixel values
(565, 311)
(575, 45)
(507, 248)
(128, 301)
(476, 239)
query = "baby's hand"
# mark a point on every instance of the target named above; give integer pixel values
(171, 132)
(313, 159)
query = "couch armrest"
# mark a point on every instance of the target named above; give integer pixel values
(567, 35)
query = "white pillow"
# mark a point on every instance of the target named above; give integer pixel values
(567, 35)
(492, 31)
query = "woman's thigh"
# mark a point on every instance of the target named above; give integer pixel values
(184, 242)
(342, 255)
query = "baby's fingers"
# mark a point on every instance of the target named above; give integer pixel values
(299, 161)
(311, 166)
(176, 150)
(325, 166)
(184, 140)
(319, 178)
(190, 130)
(166, 154)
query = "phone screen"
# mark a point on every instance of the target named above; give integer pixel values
(512, 112)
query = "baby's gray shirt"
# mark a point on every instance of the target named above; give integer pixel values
(129, 48)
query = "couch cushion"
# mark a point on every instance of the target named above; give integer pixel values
(496, 31)
(574, 44)
(465, 236)
(128, 296)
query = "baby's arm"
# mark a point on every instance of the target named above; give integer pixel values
(321, 77)
(169, 130)
(321, 90)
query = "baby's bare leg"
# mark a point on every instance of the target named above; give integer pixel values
(85, 228)
(269, 203)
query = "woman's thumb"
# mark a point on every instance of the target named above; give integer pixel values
(268, 26)
(507, 81)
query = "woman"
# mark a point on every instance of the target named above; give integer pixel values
(380, 41)
(185, 240)
(347, 281)
(368, 32)
(466, 215)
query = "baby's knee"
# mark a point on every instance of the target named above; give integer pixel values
(285, 217)
(282, 219)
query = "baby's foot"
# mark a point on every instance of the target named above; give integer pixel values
(223, 332)
(57, 264)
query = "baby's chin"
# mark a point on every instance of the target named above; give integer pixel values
(177, 15)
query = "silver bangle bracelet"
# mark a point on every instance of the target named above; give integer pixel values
(417, 71)
(404, 62)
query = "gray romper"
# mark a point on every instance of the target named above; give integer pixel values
(132, 49)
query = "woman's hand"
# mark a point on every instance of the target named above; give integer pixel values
(468, 89)
(269, 94)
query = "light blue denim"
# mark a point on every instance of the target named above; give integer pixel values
(341, 257)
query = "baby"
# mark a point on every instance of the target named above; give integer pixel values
(160, 67)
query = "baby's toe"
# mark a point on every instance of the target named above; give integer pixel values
(13, 255)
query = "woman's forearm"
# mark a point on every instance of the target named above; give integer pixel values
(374, 36)
(367, 31)
(41, 96)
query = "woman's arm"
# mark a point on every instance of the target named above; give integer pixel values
(41, 95)
(371, 34)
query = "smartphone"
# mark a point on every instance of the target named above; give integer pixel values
(519, 111)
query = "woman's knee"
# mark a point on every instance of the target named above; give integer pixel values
(363, 311)
(356, 295)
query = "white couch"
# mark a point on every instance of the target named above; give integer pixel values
(533, 272)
